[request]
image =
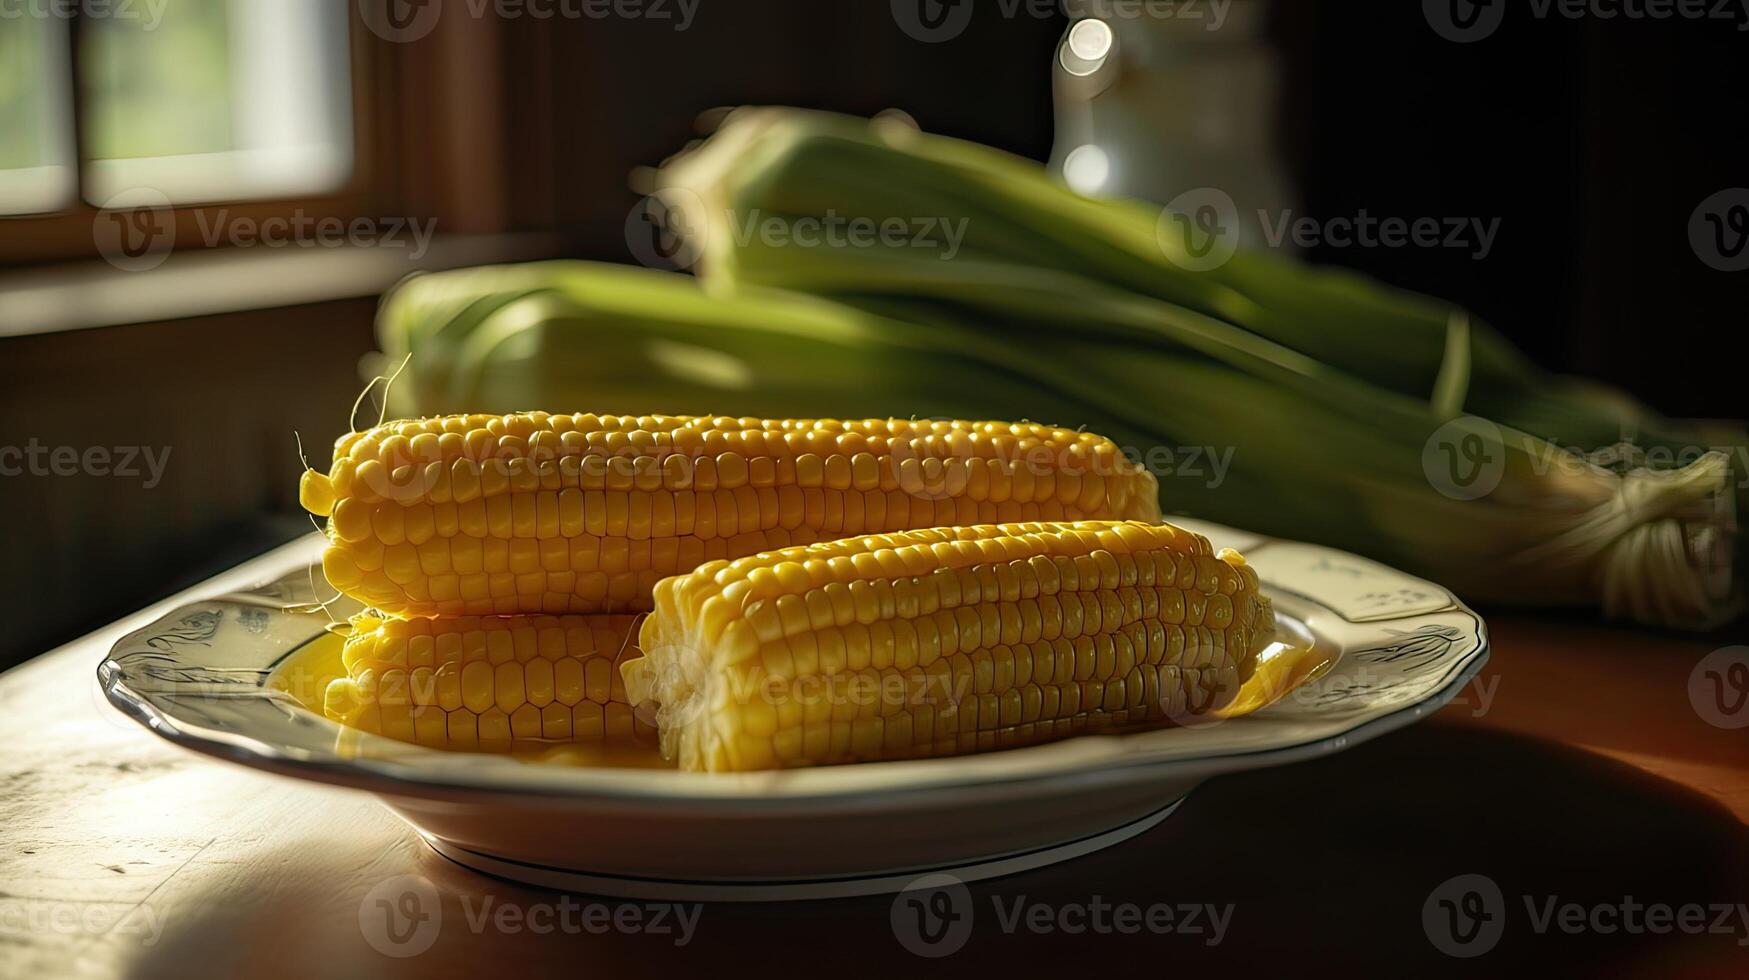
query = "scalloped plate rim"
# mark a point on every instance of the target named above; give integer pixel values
(741, 793)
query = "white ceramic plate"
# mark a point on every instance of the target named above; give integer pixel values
(204, 677)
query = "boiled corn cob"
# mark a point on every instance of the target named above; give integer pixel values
(944, 641)
(487, 683)
(539, 513)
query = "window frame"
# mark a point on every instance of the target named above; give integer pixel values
(68, 234)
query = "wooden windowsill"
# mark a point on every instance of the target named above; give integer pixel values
(83, 295)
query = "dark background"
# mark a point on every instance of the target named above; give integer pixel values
(1592, 140)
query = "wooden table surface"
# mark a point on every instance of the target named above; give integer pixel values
(1576, 771)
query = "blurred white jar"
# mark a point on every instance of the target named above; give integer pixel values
(1159, 99)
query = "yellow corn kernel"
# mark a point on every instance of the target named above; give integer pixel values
(456, 516)
(945, 640)
(492, 683)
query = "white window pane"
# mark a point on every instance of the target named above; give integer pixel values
(218, 100)
(36, 137)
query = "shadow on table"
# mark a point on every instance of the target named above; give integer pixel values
(1326, 866)
(1601, 686)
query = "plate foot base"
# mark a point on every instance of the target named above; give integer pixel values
(781, 890)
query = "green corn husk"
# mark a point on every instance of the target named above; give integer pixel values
(1331, 468)
(786, 163)
(1344, 363)
(625, 340)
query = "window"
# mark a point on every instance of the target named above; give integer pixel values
(185, 102)
(36, 145)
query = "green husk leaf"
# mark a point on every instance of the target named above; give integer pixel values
(1362, 376)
